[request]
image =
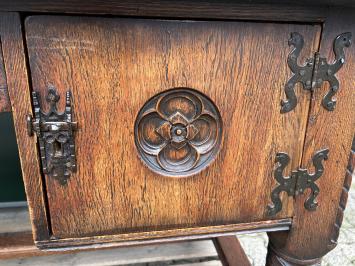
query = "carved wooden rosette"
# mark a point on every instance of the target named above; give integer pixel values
(178, 132)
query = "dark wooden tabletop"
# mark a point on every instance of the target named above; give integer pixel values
(262, 10)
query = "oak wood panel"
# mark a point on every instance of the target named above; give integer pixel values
(333, 130)
(113, 66)
(19, 91)
(5, 105)
(230, 251)
(250, 10)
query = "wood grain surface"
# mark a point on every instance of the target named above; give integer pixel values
(312, 234)
(5, 105)
(113, 66)
(291, 10)
(19, 91)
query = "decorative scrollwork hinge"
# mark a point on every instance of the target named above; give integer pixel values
(55, 132)
(298, 182)
(314, 72)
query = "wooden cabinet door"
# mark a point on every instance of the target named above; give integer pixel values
(117, 69)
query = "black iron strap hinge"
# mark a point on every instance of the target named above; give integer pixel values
(297, 182)
(314, 72)
(55, 132)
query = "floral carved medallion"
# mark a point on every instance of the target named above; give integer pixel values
(178, 132)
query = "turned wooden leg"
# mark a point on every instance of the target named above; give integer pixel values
(277, 258)
(230, 252)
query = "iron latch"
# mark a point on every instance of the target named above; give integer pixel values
(55, 132)
(297, 182)
(314, 72)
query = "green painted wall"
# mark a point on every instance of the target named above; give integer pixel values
(11, 186)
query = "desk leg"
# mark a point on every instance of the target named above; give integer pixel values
(275, 257)
(230, 252)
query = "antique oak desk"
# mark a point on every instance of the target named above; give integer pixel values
(152, 121)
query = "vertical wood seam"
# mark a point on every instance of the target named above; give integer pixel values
(5, 103)
(18, 88)
(42, 177)
(310, 98)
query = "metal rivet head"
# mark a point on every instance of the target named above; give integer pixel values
(29, 125)
(334, 88)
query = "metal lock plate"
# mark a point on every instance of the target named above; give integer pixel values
(55, 132)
